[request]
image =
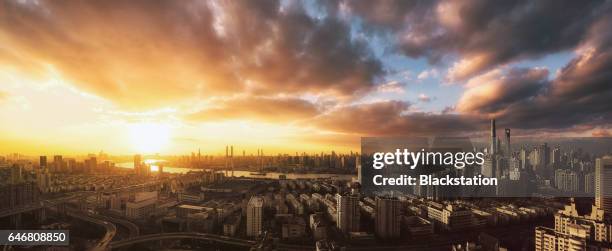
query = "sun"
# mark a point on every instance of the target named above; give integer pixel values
(149, 137)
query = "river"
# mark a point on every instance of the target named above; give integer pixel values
(269, 175)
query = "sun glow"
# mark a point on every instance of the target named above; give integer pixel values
(149, 137)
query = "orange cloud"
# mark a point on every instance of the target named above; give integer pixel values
(492, 93)
(144, 54)
(268, 109)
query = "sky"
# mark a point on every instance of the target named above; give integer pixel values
(296, 76)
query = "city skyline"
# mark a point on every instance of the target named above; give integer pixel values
(306, 125)
(142, 77)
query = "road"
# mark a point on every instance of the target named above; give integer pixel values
(133, 229)
(111, 230)
(183, 235)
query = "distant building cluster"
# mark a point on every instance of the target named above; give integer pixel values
(259, 161)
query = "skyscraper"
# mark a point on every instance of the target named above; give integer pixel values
(348, 216)
(387, 218)
(508, 147)
(254, 216)
(523, 158)
(57, 163)
(555, 159)
(358, 166)
(603, 184)
(493, 138)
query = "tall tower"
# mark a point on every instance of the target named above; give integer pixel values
(603, 184)
(358, 166)
(232, 160)
(260, 159)
(493, 138)
(508, 148)
(226, 160)
(254, 216)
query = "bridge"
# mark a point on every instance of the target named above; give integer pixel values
(132, 228)
(110, 228)
(183, 235)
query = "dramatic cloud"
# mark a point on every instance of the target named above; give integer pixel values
(142, 53)
(392, 118)
(495, 92)
(482, 33)
(579, 95)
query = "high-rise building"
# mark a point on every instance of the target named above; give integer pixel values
(493, 138)
(15, 195)
(348, 216)
(555, 157)
(544, 156)
(603, 184)
(57, 163)
(589, 183)
(387, 218)
(16, 176)
(91, 164)
(508, 147)
(254, 215)
(489, 167)
(567, 180)
(137, 164)
(523, 156)
(43, 162)
(358, 165)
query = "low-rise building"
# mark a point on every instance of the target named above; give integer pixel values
(142, 205)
